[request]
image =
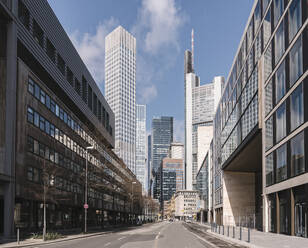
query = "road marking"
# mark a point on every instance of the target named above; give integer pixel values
(122, 238)
(204, 240)
(108, 244)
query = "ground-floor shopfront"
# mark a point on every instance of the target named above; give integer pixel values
(288, 211)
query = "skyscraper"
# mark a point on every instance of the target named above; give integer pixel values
(120, 78)
(149, 174)
(200, 105)
(141, 163)
(162, 137)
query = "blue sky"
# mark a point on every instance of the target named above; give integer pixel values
(162, 29)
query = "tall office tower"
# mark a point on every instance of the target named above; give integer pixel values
(162, 137)
(141, 163)
(200, 105)
(120, 78)
(149, 174)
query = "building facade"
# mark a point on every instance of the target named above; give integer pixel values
(176, 150)
(260, 131)
(120, 88)
(141, 156)
(149, 168)
(162, 137)
(186, 202)
(51, 112)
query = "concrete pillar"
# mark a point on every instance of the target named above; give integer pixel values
(292, 213)
(277, 214)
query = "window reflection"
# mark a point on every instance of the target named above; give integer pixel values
(278, 10)
(281, 122)
(296, 61)
(269, 169)
(297, 108)
(279, 42)
(295, 18)
(297, 155)
(269, 133)
(267, 30)
(281, 171)
(280, 79)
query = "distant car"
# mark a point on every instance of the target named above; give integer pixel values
(188, 221)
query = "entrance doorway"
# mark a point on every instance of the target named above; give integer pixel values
(301, 219)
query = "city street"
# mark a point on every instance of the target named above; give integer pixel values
(160, 235)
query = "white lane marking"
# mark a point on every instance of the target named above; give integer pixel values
(122, 238)
(107, 244)
(157, 236)
(204, 240)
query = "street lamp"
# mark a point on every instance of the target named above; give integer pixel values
(132, 198)
(86, 190)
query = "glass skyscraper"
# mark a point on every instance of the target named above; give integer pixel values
(120, 79)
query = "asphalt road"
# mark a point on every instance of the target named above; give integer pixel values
(159, 235)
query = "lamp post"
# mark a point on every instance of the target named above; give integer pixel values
(86, 190)
(133, 198)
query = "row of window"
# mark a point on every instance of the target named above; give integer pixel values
(283, 122)
(286, 161)
(38, 34)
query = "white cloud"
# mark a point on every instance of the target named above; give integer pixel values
(179, 131)
(159, 23)
(91, 48)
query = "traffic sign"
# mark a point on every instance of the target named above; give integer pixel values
(85, 206)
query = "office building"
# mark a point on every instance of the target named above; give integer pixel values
(260, 128)
(162, 137)
(53, 119)
(141, 156)
(186, 202)
(120, 89)
(176, 150)
(149, 164)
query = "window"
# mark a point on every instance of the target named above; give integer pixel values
(84, 90)
(280, 80)
(51, 51)
(268, 62)
(295, 18)
(268, 97)
(297, 108)
(23, 14)
(38, 33)
(47, 101)
(30, 173)
(257, 16)
(31, 86)
(281, 171)
(52, 130)
(267, 28)
(42, 150)
(265, 4)
(57, 110)
(36, 147)
(43, 97)
(279, 42)
(70, 76)
(61, 114)
(77, 87)
(281, 122)
(36, 91)
(30, 144)
(269, 133)
(42, 123)
(90, 103)
(278, 10)
(47, 127)
(61, 64)
(296, 61)
(297, 154)
(30, 115)
(36, 119)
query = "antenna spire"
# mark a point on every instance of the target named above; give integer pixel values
(192, 49)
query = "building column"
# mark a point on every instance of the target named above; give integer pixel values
(277, 213)
(292, 212)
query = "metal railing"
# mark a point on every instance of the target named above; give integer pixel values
(235, 232)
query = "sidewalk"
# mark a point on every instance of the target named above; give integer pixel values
(261, 239)
(38, 242)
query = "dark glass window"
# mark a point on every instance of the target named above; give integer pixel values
(65, 117)
(42, 123)
(280, 82)
(297, 108)
(30, 115)
(84, 90)
(38, 33)
(279, 42)
(52, 106)
(52, 130)
(23, 14)
(278, 10)
(281, 122)
(295, 18)
(269, 133)
(297, 154)
(36, 147)
(51, 51)
(296, 61)
(57, 110)
(90, 102)
(30, 144)
(47, 127)
(42, 150)
(281, 166)
(77, 87)
(70, 76)
(30, 173)
(31, 86)
(61, 64)
(269, 169)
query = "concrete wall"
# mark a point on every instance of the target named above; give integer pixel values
(238, 197)
(205, 136)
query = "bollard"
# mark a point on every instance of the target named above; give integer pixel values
(228, 231)
(18, 236)
(248, 235)
(240, 233)
(223, 230)
(233, 232)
